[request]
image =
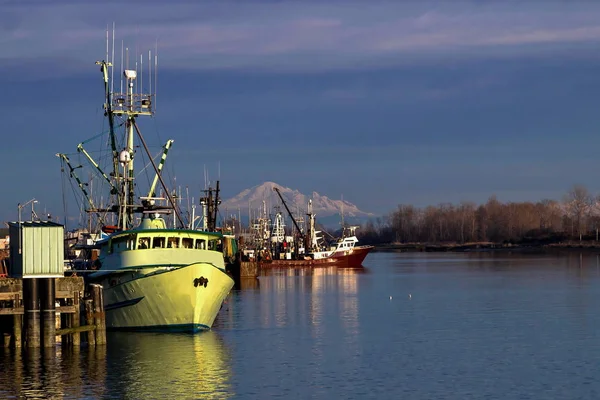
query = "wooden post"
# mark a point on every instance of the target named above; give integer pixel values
(75, 319)
(32, 312)
(17, 327)
(48, 308)
(5, 340)
(99, 320)
(89, 319)
(65, 322)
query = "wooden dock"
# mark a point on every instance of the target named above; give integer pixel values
(29, 309)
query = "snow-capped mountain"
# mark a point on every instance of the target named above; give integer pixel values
(252, 199)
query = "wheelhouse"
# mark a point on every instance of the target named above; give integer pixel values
(154, 239)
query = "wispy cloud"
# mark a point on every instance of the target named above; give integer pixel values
(292, 35)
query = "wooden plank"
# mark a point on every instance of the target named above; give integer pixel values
(70, 284)
(68, 331)
(11, 311)
(19, 310)
(64, 294)
(9, 295)
(66, 309)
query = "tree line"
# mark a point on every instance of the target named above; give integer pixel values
(576, 217)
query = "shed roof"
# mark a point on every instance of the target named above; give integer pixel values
(41, 224)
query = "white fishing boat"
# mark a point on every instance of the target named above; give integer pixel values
(155, 276)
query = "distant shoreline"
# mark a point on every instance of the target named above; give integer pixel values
(487, 247)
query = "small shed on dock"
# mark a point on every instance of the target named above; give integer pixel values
(36, 249)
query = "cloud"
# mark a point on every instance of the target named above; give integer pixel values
(305, 36)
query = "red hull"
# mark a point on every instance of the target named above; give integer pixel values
(324, 262)
(352, 259)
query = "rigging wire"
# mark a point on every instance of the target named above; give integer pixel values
(64, 199)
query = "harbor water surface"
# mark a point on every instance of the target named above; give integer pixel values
(407, 326)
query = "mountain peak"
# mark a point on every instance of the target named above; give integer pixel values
(323, 206)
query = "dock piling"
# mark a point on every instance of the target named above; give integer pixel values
(48, 311)
(17, 330)
(89, 319)
(32, 312)
(75, 319)
(98, 309)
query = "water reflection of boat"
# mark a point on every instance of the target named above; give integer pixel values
(328, 290)
(148, 365)
(72, 373)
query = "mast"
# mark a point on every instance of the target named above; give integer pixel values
(128, 105)
(210, 208)
(290, 214)
(216, 207)
(311, 227)
(108, 111)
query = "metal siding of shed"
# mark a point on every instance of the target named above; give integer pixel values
(41, 251)
(57, 253)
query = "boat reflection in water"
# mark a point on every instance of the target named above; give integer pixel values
(131, 366)
(177, 366)
(292, 296)
(36, 373)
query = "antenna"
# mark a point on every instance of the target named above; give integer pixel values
(206, 183)
(106, 44)
(112, 74)
(136, 91)
(141, 74)
(150, 71)
(121, 91)
(155, 72)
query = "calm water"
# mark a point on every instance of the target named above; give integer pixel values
(408, 326)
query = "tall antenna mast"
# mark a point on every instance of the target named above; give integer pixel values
(107, 59)
(129, 104)
(150, 71)
(155, 72)
(121, 90)
(112, 74)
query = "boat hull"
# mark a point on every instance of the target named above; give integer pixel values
(352, 258)
(323, 262)
(343, 259)
(185, 299)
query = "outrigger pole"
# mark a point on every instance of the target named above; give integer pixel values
(74, 176)
(166, 148)
(158, 174)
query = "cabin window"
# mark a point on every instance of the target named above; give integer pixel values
(187, 243)
(119, 244)
(158, 243)
(200, 244)
(212, 244)
(143, 243)
(173, 242)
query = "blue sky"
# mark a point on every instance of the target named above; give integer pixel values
(381, 102)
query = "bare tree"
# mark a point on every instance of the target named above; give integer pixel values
(578, 204)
